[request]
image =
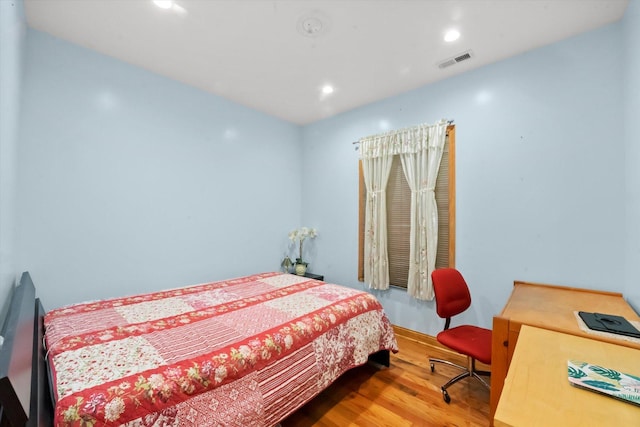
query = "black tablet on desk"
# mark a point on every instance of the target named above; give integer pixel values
(609, 323)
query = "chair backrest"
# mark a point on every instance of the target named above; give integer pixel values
(451, 292)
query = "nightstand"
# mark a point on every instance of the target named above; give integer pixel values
(314, 276)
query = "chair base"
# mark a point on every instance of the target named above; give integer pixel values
(469, 371)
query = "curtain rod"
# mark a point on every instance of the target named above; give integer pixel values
(449, 122)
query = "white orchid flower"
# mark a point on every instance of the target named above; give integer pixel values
(298, 235)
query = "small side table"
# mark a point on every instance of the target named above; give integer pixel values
(314, 276)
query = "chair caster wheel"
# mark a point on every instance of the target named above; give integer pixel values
(446, 397)
(433, 368)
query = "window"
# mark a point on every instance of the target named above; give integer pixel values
(398, 216)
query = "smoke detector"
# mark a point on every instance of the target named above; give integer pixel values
(456, 59)
(313, 24)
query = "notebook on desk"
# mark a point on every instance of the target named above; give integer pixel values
(609, 323)
(606, 381)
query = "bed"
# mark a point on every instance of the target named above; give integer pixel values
(239, 352)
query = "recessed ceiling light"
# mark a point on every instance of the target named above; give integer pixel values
(451, 35)
(163, 4)
(327, 89)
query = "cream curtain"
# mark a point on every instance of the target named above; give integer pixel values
(421, 156)
(377, 155)
(420, 149)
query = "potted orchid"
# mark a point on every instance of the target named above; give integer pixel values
(299, 235)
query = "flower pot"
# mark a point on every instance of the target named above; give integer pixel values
(301, 269)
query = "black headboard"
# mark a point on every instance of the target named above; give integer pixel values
(24, 396)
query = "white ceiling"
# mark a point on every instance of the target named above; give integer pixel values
(252, 52)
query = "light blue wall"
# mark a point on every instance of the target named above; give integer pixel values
(130, 182)
(12, 34)
(631, 24)
(540, 182)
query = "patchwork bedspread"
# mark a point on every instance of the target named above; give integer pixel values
(241, 352)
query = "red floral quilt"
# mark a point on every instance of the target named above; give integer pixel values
(241, 352)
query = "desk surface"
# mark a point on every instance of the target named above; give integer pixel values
(552, 307)
(548, 307)
(537, 393)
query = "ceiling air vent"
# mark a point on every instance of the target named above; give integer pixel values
(458, 58)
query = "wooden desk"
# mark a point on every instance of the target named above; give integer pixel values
(548, 307)
(537, 393)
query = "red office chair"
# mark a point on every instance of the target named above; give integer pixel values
(452, 298)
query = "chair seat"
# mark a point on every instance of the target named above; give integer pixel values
(468, 340)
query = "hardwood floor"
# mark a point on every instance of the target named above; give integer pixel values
(405, 394)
